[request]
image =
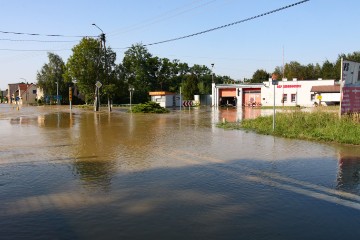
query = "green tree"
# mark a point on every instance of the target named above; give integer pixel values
(294, 70)
(51, 74)
(139, 71)
(190, 86)
(328, 70)
(85, 66)
(260, 76)
(279, 72)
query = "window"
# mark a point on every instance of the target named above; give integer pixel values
(293, 97)
(312, 97)
(34, 91)
(284, 99)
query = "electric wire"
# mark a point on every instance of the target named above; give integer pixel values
(44, 35)
(160, 18)
(228, 25)
(33, 40)
(183, 37)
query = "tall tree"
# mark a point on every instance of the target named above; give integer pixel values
(90, 63)
(139, 71)
(190, 86)
(260, 76)
(294, 70)
(86, 67)
(51, 74)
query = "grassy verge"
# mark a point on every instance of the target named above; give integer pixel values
(318, 126)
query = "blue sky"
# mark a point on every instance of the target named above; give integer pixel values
(311, 32)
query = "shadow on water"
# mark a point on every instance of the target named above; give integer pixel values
(232, 200)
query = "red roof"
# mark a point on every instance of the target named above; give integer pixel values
(326, 89)
(23, 86)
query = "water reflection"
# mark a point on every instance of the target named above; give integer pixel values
(238, 114)
(53, 120)
(348, 177)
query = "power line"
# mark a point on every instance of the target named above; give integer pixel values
(46, 35)
(161, 18)
(32, 40)
(228, 25)
(32, 50)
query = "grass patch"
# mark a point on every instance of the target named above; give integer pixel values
(317, 126)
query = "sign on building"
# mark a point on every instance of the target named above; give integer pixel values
(350, 92)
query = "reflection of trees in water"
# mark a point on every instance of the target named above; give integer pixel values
(348, 177)
(106, 142)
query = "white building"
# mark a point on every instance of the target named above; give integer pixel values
(165, 99)
(298, 92)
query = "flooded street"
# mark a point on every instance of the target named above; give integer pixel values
(87, 175)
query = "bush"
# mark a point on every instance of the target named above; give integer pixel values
(149, 107)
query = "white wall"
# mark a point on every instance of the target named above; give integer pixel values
(167, 100)
(301, 89)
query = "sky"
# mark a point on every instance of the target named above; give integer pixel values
(309, 33)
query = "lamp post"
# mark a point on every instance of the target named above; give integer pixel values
(131, 90)
(103, 43)
(212, 73)
(274, 83)
(57, 92)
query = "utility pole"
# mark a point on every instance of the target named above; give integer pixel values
(102, 44)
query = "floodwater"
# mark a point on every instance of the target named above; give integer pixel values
(87, 175)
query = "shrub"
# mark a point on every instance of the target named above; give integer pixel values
(149, 107)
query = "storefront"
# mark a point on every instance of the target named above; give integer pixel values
(286, 93)
(295, 92)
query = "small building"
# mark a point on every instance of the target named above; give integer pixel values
(166, 99)
(26, 93)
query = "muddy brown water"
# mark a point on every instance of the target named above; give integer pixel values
(85, 175)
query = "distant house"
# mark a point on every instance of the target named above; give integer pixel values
(22, 93)
(27, 93)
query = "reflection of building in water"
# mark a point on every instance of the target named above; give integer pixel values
(236, 114)
(348, 177)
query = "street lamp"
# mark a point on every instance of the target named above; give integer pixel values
(212, 73)
(57, 92)
(103, 40)
(131, 90)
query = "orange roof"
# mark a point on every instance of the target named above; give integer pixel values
(161, 93)
(23, 86)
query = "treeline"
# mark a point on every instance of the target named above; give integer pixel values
(328, 70)
(90, 62)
